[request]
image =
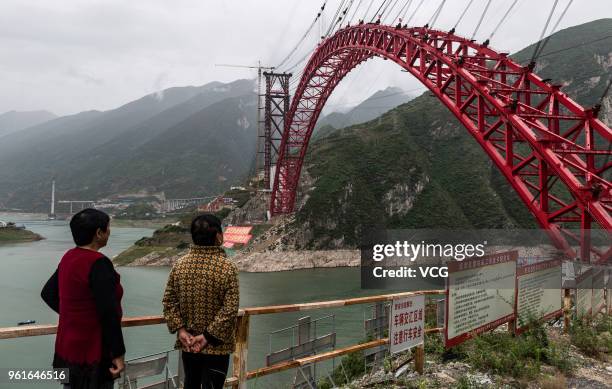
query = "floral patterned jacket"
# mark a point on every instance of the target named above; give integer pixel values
(202, 296)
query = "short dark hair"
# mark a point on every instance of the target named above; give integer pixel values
(204, 229)
(85, 224)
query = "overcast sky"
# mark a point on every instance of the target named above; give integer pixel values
(67, 56)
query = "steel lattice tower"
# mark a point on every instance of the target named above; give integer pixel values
(276, 105)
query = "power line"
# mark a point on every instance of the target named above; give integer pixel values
(574, 46)
(481, 19)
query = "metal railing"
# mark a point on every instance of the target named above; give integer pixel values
(240, 373)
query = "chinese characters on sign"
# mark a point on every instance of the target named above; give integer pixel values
(407, 323)
(538, 292)
(480, 295)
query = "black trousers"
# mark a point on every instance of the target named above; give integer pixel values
(205, 371)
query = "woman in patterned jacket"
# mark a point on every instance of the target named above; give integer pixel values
(201, 305)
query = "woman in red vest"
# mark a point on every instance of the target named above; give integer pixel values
(86, 292)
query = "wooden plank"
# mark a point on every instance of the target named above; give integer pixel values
(314, 358)
(23, 331)
(335, 303)
(231, 381)
(49, 329)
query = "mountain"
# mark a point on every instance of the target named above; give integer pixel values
(371, 108)
(417, 167)
(134, 148)
(14, 121)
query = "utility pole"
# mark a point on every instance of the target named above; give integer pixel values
(52, 210)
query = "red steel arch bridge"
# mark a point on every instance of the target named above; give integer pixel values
(535, 134)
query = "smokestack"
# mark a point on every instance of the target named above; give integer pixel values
(52, 198)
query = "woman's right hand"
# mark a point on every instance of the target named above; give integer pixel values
(117, 367)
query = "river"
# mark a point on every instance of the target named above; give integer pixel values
(24, 268)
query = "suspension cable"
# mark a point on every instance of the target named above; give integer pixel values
(334, 19)
(343, 15)
(554, 29)
(481, 19)
(437, 13)
(303, 36)
(365, 15)
(463, 14)
(402, 12)
(378, 10)
(601, 99)
(502, 20)
(537, 48)
(415, 11)
(390, 10)
(355, 11)
(388, 7)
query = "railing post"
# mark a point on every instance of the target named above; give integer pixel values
(567, 306)
(512, 327)
(240, 355)
(419, 358)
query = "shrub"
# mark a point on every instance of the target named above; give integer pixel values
(592, 336)
(351, 367)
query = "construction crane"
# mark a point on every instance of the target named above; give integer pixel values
(260, 69)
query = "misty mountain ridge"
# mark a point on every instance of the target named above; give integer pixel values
(89, 153)
(183, 141)
(371, 108)
(13, 121)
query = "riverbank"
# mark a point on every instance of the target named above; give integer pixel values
(144, 223)
(252, 262)
(18, 235)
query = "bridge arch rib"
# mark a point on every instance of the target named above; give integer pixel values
(534, 133)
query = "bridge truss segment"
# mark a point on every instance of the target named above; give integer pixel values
(553, 152)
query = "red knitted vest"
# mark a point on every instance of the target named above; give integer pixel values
(79, 334)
